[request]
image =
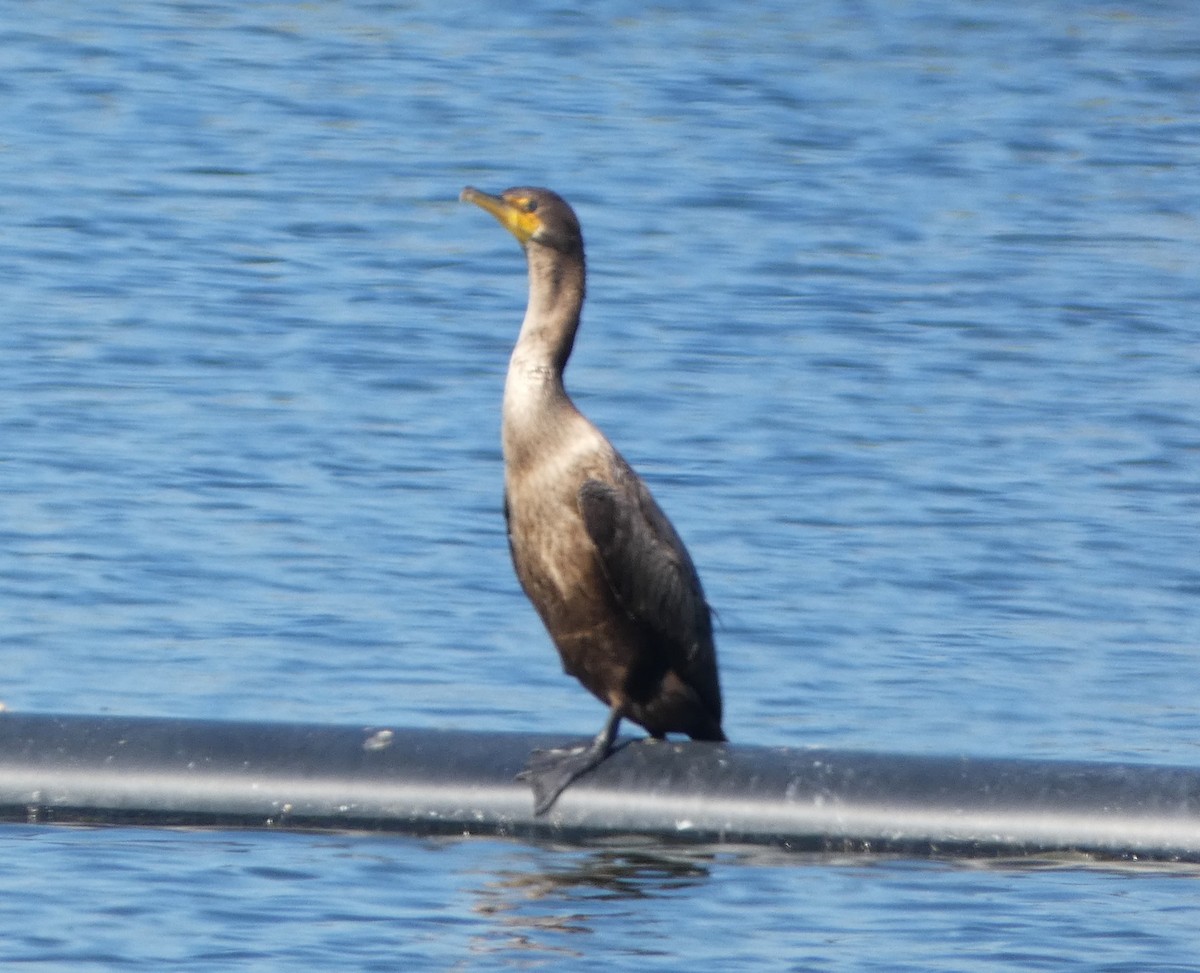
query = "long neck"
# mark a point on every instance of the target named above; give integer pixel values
(534, 386)
(556, 285)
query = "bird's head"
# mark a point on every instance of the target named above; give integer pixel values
(534, 216)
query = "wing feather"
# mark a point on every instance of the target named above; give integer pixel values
(652, 577)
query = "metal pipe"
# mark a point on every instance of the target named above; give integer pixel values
(125, 770)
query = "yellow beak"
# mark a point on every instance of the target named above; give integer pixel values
(520, 223)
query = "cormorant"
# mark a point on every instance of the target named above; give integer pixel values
(598, 559)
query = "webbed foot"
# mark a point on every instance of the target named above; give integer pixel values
(549, 772)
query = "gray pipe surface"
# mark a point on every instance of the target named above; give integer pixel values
(124, 770)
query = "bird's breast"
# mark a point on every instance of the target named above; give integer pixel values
(552, 553)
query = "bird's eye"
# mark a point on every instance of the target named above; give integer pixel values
(529, 205)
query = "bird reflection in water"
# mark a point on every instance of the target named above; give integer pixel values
(535, 910)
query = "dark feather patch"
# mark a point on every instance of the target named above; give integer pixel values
(653, 578)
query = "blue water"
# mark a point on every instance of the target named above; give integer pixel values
(893, 304)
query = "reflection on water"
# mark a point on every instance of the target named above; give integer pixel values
(537, 911)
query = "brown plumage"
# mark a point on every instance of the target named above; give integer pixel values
(598, 559)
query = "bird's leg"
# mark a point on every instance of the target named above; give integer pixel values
(550, 771)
